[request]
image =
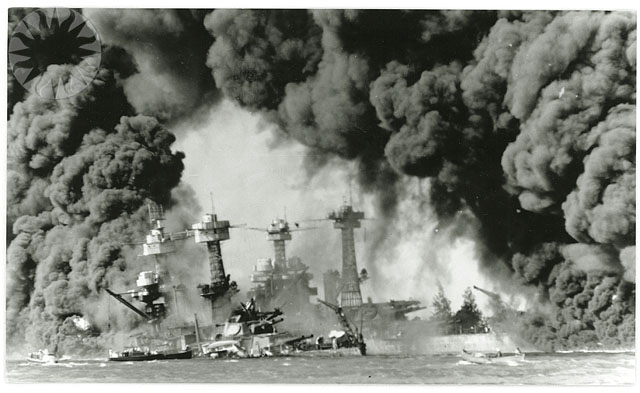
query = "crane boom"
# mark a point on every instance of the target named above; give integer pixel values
(343, 319)
(129, 305)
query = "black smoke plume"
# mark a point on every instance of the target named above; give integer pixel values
(169, 50)
(522, 122)
(525, 119)
(80, 171)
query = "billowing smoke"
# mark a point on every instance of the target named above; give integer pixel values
(169, 48)
(521, 125)
(80, 171)
(524, 119)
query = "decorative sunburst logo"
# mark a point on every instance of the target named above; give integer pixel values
(51, 36)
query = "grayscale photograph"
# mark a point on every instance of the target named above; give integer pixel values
(320, 196)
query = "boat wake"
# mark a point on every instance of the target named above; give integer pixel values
(512, 363)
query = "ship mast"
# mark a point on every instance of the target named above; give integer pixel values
(212, 232)
(346, 219)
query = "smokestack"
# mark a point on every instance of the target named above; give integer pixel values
(346, 219)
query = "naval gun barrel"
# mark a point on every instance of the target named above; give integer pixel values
(406, 306)
(298, 339)
(492, 295)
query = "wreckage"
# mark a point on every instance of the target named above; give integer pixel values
(246, 332)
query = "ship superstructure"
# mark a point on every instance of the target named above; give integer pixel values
(152, 285)
(281, 282)
(212, 232)
(344, 288)
(346, 219)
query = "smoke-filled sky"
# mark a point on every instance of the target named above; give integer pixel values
(253, 181)
(492, 147)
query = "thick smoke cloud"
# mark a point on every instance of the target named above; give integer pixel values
(292, 66)
(528, 122)
(313, 76)
(602, 207)
(169, 48)
(543, 162)
(256, 54)
(522, 122)
(79, 173)
(43, 132)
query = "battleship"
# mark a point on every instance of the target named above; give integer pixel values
(247, 330)
(280, 286)
(176, 342)
(152, 291)
(344, 287)
(388, 325)
(282, 282)
(286, 282)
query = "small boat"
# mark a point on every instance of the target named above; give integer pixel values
(138, 355)
(43, 357)
(177, 355)
(491, 358)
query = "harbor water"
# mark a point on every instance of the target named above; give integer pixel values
(536, 369)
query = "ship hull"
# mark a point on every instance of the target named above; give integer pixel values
(349, 352)
(42, 358)
(43, 361)
(152, 356)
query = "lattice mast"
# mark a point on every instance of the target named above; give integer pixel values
(346, 219)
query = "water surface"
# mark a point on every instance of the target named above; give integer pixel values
(554, 369)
